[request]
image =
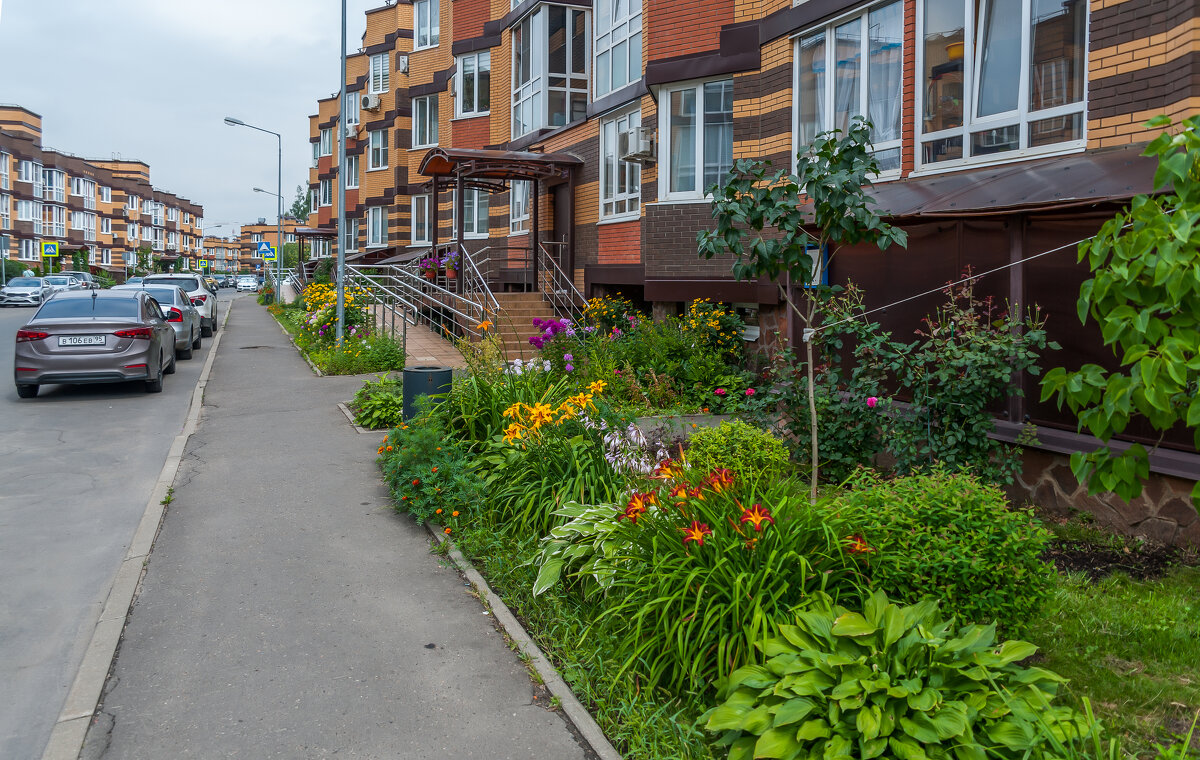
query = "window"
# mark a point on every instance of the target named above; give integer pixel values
(30, 250)
(106, 256)
(618, 44)
(54, 183)
(313, 200)
(131, 202)
(327, 141)
(84, 222)
(518, 207)
(131, 231)
(351, 109)
(377, 144)
(29, 211)
(172, 240)
(255, 237)
(30, 171)
(350, 241)
(172, 214)
(86, 189)
(147, 232)
(105, 194)
(865, 54)
(475, 213)
(428, 23)
(550, 69)
(1000, 77)
(326, 192)
(106, 225)
(351, 171)
(376, 226)
(316, 157)
(425, 121)
(289, 237)
(697, 126)
(56, 220)
(5, 158)
(420, 219)
(620, 181)
(5, 212)
(378, 80)
(473, 90)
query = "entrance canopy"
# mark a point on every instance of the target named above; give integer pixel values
(478, 164)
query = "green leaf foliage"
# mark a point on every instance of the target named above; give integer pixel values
(1145, 297)
(890, 682)
(748, 452)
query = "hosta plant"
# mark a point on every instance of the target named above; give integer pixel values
(891, 682)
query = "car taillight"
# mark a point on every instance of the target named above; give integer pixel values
(143, 333)
(199, 300)
(24, 336)
(174, 315)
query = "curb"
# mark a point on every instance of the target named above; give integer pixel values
(350, 418)
(70, 729)
(583, 721)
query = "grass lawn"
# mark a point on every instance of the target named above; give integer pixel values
(1132, 647)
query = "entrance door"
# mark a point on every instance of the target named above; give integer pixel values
(563, 235)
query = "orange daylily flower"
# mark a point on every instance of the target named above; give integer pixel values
(485, 325)
(856, 544)
(696, 532)
(756, 516)
(719, 480)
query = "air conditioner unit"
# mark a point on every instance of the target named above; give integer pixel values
(352, 131)
(370, 102)
(636, 145)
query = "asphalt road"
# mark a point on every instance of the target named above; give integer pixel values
(78, 465)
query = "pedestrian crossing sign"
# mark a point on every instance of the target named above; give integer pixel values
(266, 251)
(49, 249)
(203, 263)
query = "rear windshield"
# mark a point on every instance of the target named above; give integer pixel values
(63, 308)
(25, 282)
(58, 280)
(187, 283)
(164, 296)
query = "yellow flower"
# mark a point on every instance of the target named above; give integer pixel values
(485, 325)
(597, 386)
(514, 432)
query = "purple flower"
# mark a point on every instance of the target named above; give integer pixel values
(570, 368)
(568, 358)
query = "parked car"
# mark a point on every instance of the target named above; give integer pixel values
(86, 280)
(134, 280)
(181, 315)
(25, 291)
(61, 282)
(247, 284)
(229, 282)
(203, 299)
(212, 283)
(98, 336)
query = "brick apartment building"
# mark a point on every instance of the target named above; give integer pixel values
(108, 207)
(222, 253)
(268, 230)
(1003, 128)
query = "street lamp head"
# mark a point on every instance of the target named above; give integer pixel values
(234, 122)
(259, 190)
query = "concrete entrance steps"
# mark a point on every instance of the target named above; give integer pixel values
(514, 324)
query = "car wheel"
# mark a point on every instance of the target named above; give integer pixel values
(156, 385)
(197, 342)
(206, 330)
(216, 321)
(182, 353)
(27, 391)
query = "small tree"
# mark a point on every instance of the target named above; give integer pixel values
(1145, 295)
(794, 224)
(300, 206)
(79, 260)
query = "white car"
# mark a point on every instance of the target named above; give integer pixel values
(249, 284)
(25, 291)
(203, 299)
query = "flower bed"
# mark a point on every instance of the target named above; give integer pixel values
(313, 322)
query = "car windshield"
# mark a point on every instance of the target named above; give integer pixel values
(65, 308)
(24, 282)
(59, 280)
(164, 296)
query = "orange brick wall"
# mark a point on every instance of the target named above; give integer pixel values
(469, 17)
(681, 27)
(620, 243)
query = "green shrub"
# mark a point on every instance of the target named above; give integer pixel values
(890, 682)
(747, 451)
(953, 538)
(377, 353)
(697, 570)
(429, 475)
(381, 410)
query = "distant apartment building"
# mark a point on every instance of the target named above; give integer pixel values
(223, 254)
(592, 130)
(264, 230)
(108, 207)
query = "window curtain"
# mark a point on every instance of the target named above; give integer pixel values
(683, 141)
(886, 44)
(847, 53)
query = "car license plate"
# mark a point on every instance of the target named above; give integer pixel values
(81, 340)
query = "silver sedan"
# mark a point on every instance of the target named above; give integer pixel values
(97, 336)
(25, 291)
(181, 315)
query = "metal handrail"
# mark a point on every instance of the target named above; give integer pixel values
(421, 298)
(560, 291)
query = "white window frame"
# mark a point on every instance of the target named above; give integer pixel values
(316, 152)
(105, 225)
(82, 187)
(610, 32)
(425, 121)
(664, 150)
(420, 232)
(256, 237)
(1021, 117)
(377, 147)
(5, 177)
(131, 230)
(611, 164)
(351, 108)
(350, 239)
(54, 185)
(131, 202)
(5, 211)
(327, 141)
(106, 256)
(530, 100)
(473, 213)
(427, 24)
(351, 171)
(518, 206)
(478, 63)
(29, 211)
(379, 75)
(314, 198)
(327, 192)
(55, 217)
(29, 250)
(377, 232)
(172, 214)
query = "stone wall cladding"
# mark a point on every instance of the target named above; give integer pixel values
(1163, 512)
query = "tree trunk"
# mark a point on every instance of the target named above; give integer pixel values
(812, 418)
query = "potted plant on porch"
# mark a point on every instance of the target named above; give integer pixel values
(429, 267)
(451, 263)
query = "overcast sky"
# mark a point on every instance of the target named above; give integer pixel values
(153, 80)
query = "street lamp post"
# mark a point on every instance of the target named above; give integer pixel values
(341, 175)
(279, 195)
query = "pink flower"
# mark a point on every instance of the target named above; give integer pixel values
(749, 391)
(871, 402)
(719, 391)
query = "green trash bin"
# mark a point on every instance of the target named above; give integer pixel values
(424, 381)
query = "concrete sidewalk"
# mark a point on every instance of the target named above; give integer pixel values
(288, 612)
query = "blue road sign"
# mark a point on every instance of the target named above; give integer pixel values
(266, 251)
(49, 249)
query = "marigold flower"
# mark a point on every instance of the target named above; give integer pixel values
(416, 481)
(696, 532)
(756, 516)
(438, 512)
(389, 448)
(434, 469)
(454, 513)
(446, 531)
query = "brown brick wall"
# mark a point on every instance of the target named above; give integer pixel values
(684, 27)
(669, 242)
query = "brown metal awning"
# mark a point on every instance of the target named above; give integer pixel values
(497, 164)
(1040, 185)
(316, 232)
